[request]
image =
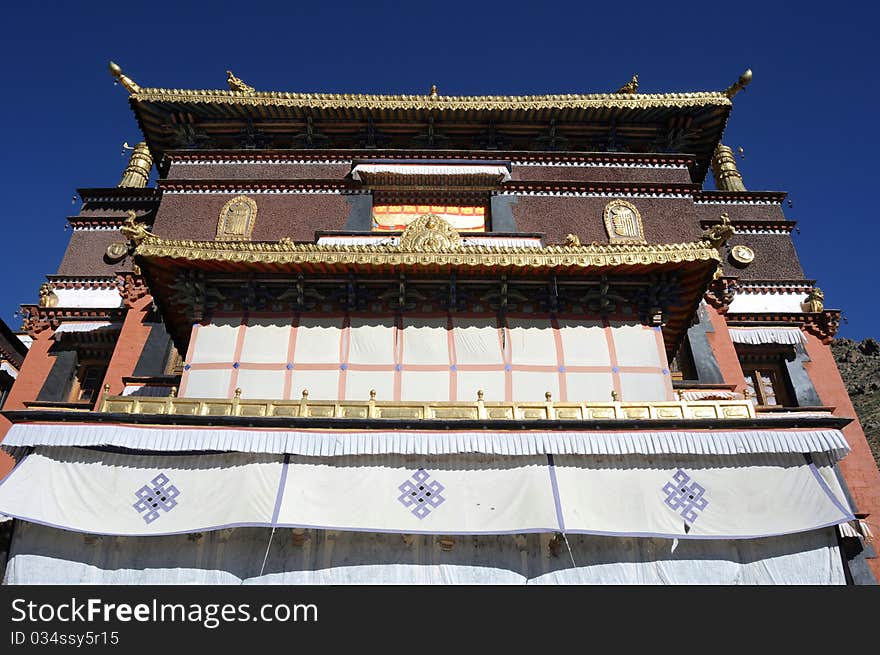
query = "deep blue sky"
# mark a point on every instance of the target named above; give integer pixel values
(808, 122)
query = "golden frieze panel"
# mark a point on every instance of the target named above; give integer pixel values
(428, 241)
(479, 410)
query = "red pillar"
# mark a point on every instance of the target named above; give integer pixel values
(31, 377)
(858, 468)
(132, 338)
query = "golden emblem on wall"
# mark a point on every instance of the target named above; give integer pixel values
(742, 255)
(623, 222)
(237, 219)
(116, 251)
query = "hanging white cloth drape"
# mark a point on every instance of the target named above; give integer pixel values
(686, 497)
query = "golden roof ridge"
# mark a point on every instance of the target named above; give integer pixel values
(433, 100)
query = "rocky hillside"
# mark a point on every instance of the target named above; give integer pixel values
(859, 363)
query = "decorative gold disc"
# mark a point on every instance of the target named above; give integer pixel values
(742, 254)
(116, 251)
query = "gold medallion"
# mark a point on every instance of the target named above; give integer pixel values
(742, 254)
(116, 251)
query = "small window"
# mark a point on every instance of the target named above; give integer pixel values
(682, 366)
(87, 382)
(396, 218)
(767, 379)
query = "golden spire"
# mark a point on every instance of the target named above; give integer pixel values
(724, 170)
(137, 173)
(129, 84)
(740, 84)
(434, 94)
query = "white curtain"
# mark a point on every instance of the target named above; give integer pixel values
(41, 555)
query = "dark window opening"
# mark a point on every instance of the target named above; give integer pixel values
(767, 380)
(87, 382)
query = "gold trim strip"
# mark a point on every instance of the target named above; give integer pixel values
(477, 410)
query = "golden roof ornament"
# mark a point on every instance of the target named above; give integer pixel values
(434, 94)
(815, 301)
(630, 87)
(740, 84)
(237, 85)
(133, 231)
(724, 170)
(137, 173)
(429, 233)
(572, 241)
(47, 296)
(718, 235)
(129, 84)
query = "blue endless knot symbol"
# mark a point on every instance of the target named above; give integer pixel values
(685, 496)
(155, 497)
(421, 494)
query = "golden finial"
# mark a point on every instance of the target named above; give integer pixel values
(173, 392)
(479, 394)
(740, 84)
(434, 94)
(238, 392)
(237, 85)
(630, 87)
(724, 170)
(305, 394)
(680, 394)
(372, 394)
(123, 79)
(137, 173)
(572, 241)
(548, 396)
(747, 394)
(107, 388)
(613, 395)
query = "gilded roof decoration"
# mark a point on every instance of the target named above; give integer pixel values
(430, 101)
(427, 102)
(288, 252)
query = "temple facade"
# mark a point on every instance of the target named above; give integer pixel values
(433, 339)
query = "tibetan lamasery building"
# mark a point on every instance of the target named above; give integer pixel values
(433, 339)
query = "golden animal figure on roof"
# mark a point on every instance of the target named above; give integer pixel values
(718, 234)
(134, 231)
(237, 85)
(630, 87)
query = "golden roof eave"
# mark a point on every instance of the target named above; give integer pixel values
(285, 252)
